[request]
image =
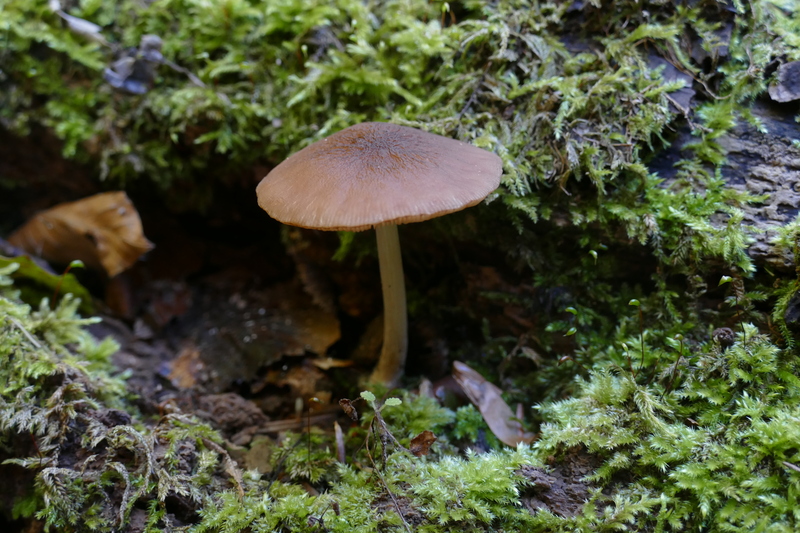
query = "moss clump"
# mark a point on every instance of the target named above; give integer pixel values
(62, 417)
(563, 93)
(711, 443)
(576, 99)
(717, 453)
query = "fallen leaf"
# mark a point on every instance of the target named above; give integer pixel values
(349, 410)
(487, 398)
(341, 455)
(421, 444)
(187, 369)
(104, 231)
(326, 363)
(303, 380)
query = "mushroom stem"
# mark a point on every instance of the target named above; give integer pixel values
(395, 323)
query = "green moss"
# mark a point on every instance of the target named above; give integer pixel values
(577, 100)
(715, 453)
(710, 444)
(590, 108)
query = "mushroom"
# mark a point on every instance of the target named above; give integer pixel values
(378, 175)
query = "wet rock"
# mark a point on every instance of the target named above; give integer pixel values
(792, 314)
(787, 83)
(761, 161)
(766, 163)
(233, 336)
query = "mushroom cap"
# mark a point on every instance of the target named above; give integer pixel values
(377, 173)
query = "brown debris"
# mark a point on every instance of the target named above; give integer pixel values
(349, 410)
(421, 444)
(187, 369)
(320, 418)
(487, 397)
(560, 489)
(341, 450)
(238, 335)
(229, 412)
(326, 363)
(104, 231)
(725, 337)
(304, 380)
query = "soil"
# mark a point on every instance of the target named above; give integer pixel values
(561, 489)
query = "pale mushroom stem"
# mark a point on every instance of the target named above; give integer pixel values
(395, 322)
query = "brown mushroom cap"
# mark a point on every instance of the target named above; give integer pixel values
(377, 173)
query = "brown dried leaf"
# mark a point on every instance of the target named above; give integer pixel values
(421, 444)
(187, 370)
(349, 410)
(104, 231)
(326, 363)
(487, 398)
(341, 454)
(303, 380)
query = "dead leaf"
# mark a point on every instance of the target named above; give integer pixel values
(104, 231)
(349, 410)
(341, 454)
(303, 380)
(187, 369)
(487, 398)
(421, 444)
(326, 363)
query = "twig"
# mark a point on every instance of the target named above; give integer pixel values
(25, 332)
(385, 432)
(792, 466)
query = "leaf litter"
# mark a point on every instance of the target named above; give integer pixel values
(104, 231)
